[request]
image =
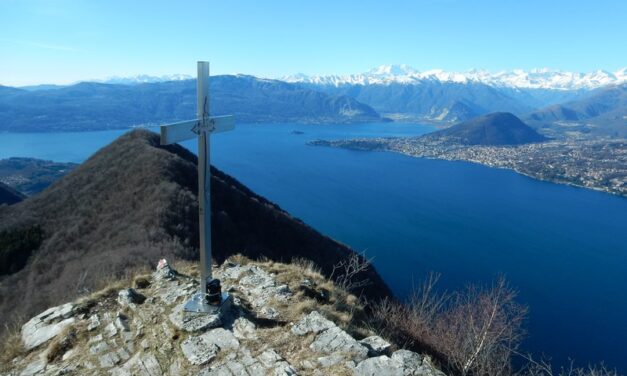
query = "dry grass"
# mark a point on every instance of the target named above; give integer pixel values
(340, 307)
(61, 344)
(11, 347)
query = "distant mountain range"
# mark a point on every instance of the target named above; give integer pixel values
(600, 112)
(555, 103)
(400, 92)
(90, 106)
(497, 129)
(532, 79)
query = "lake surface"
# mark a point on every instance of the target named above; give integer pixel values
(564, 248)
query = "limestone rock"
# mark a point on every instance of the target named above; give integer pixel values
(331, 360)
(409, 360)
(158, 338)
(402, 363)
(99, 347)
(198, 351)
(335, 340)
(376, 345)
(47, 325)
(110, 330)
(260, 286)
(276, 364)
(108, 360)
(203, 348)
(34, 368)
(121, 322)
(244, 329)
(138, 365)
(222, 338)
(379, 366)
(164, 271)
(194, 322)
(130, 296)
(312, 323)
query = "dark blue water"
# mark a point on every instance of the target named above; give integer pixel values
(564, 248)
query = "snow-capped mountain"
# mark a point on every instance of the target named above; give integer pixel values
(532, 79)
(143, 79)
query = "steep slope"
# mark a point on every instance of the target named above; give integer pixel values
(9, 195)
(602, 112)
(134, 202)
(499, 128)
(89, 106)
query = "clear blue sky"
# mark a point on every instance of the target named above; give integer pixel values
(64, 41)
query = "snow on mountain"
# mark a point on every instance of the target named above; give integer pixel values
(143, 79)
(533, 79)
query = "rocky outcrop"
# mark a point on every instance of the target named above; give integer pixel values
(258, 331)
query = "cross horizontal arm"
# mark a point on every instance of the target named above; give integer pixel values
(185, 130)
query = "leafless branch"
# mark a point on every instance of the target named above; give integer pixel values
(346, 272)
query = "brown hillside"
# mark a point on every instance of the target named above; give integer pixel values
(134, 202)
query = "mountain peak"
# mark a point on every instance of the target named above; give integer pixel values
(280, 319)
(499, 128)
(392, 70)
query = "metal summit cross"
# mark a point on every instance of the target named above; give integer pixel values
(210, 297)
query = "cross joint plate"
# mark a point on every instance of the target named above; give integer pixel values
(197, 304)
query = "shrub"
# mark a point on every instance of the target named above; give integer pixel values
(472, 332)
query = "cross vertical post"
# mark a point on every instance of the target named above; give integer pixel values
(210, 298)
(204, 175)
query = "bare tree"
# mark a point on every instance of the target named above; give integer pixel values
(543, 367)
(481, 330)
(475, 331)
(346, 273)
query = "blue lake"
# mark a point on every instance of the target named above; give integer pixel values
(564, 248)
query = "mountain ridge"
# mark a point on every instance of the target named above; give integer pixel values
(517, 78)
(602, 112)
(134, 202)
(98, 106)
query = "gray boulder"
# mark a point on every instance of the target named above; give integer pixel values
(47, 325)
(130, 296)
(402, 363)
(376, 345)
(198, 351)
(335, 340)
(312, 323)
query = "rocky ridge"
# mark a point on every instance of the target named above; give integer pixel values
(280, 320)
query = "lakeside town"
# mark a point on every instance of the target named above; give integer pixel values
(593, 164)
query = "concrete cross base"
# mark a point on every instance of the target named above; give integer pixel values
(199, 320)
